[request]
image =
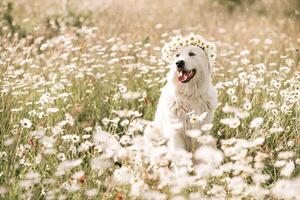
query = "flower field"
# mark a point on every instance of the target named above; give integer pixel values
(80, 81)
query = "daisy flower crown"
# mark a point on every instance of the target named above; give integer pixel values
(170, 49)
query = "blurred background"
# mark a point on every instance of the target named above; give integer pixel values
(144, 18)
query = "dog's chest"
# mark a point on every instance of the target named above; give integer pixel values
(184, 108)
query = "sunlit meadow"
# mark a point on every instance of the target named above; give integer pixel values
(80, 81)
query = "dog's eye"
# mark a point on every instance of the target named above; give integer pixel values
(177, 55)
(191, 54)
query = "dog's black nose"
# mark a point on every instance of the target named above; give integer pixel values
(180, 63)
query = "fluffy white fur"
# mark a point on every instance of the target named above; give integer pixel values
(177, 99)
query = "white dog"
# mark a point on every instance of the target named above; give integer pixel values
(188, 90)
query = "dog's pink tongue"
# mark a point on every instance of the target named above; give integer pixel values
(183, 77)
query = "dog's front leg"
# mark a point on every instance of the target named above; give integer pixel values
(176, 141)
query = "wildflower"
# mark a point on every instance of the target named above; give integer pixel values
(288, 169)
(231, 91)
(105, 121)
(138, 187)
(289, 62)
(245, 52)
(285, 69)
(9, 141)
(48, 142)
(231, 122)
(67, 165)
(32, 113)
(286, 189)
(194, 133)
(158, 26)
(209, 155)
(43, 47)
(78, 175)
(258, 141)
(91, 192)
(61, 156)
(57, 130)
(206, 127)
(268, 41)
(237, 185)
(125, 122)
(101, 164)
(31, 178)
(193, 118)
(228, 109)
(26, 123)
(52, 110)
(88, 129)
(285, 155)
(130, 95)
(202, 116)
(73, 187)
(123, 175)
(3, 155)
(85, 146)
(276, 129)
(3, 190)
(75, 138)
(241, 114)
(256, 122)
(38, 134)
(70, 120)
(247, 105)
(256, 41)
(245, 61)
(86, 136)
(280, 163)
(285, 108)
(71, 138)
(125, 140)
(269, 105)
(234, 98)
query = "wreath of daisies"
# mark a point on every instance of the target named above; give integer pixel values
(169, 49)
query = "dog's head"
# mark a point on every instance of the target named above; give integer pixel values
(191, 60)
(190, 64)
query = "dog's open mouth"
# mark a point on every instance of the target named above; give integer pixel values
(184, 76)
